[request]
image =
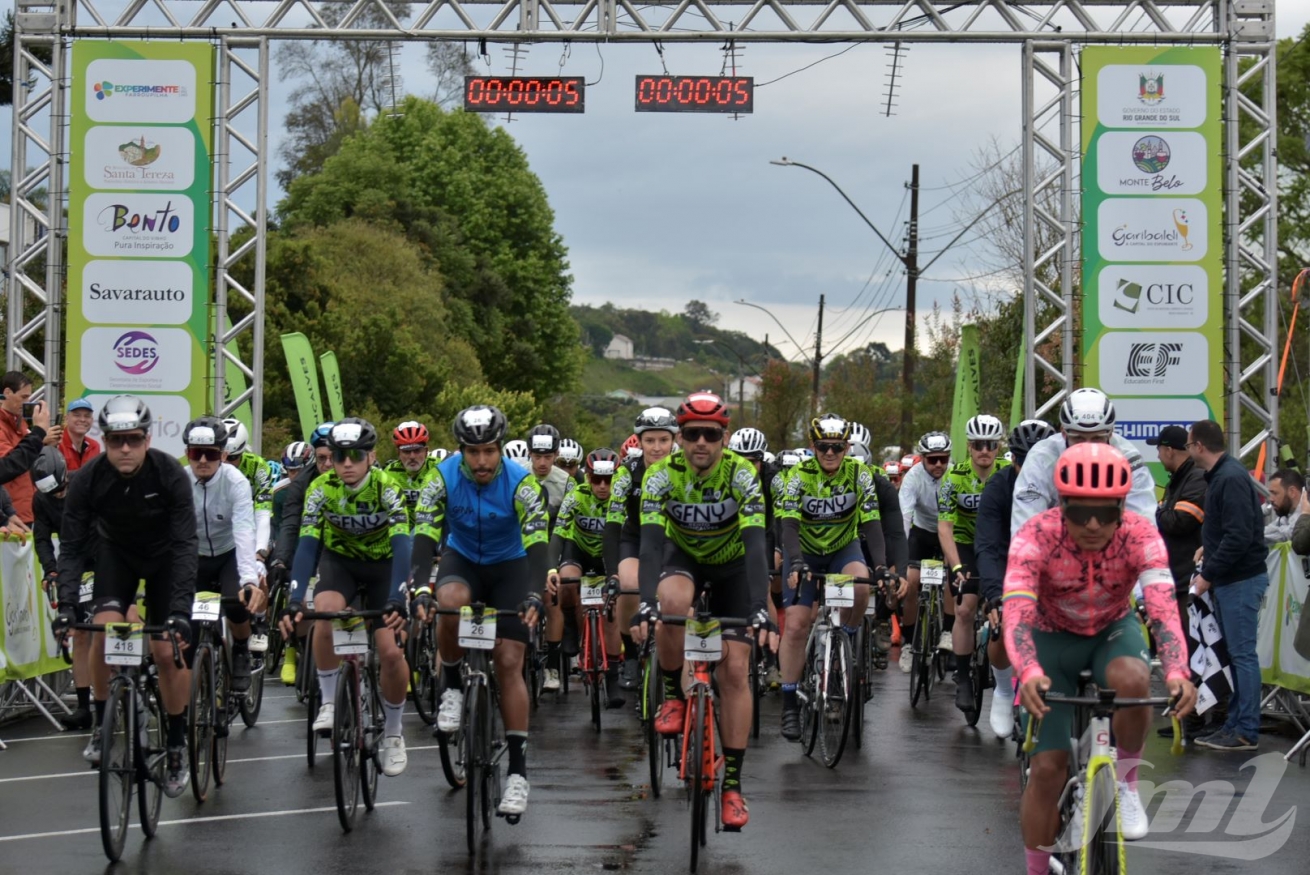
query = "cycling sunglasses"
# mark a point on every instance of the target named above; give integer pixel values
(936, 460)
(826, 448)
(597, 479)
(340, 456)
(118, 441)
(710, 434)
(1082, 514)
(204, 454)
(984, 445)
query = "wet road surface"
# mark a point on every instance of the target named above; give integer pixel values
(926, 794)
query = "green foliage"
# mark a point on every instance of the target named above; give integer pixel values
(666, 335)
(784, 403)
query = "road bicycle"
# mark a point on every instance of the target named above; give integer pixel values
(1090, 838)
(980, 663)
(133, 733)
(594, 658)
(828, 693)
(928, 666)
(357, 722)
(425, 681)
(278, 596)
(869, 656)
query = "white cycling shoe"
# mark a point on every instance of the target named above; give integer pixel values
(451, 714)
(515, 798)
(394, 758)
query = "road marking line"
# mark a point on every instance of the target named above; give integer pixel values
(187, 820)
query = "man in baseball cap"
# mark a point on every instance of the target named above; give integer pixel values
(76, 447)
(1173, 437)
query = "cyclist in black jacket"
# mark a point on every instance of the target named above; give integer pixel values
(138, 501)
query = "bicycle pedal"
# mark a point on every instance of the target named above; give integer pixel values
(727, 828)
(512, 819)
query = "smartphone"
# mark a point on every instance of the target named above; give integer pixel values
(28, 407)
(59, 419)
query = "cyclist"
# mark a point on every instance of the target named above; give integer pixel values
(517, 451)
(893, 471)
(631, 448)
(255, 469)
(493, 513)
(1072, 569)
(826, 504)
(1085, 416)
(702, 524)
(656, 429)
(570, 458)
(292, 510)
(752, 445)
(578, 548)
(991, 547)
(413, 466)
(543, 448)
(439, 455)
(225, 530)
(957, 506)
(918, 499)
(355, 532)
(129, 516)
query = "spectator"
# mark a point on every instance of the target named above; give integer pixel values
(1301, 531)
(76, 447)
(1232, 564)
(1286, 489)
(10, 524)
(20, 443)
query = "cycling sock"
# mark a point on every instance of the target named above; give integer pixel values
(84, 698)
(552, 655)
(1131, 758)
(177, 729)
(850, 630)
(327, 685)
(393, 713)
(100, 712)
(450, 675)
(673, 684)
(732, 757)
(907, 633)
(240, 645)
(790, 702)
(1004, 681)
(1039, 862)
(518, 752)
(631, 649)
(948, 622)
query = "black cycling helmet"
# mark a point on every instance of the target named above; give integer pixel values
(480, 424)
(934, 442)
(603, 462)
(353, 433)
(1026, 435)
(205, 431)
(50, 471)
(124, 413)
(543, 439)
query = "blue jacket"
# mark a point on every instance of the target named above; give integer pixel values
(482, 522)
(1233, 531)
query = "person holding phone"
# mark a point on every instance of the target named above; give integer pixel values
(74, 445)
(20, 441)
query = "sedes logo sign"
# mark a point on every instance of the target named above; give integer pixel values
(139, 157)
(136, 352)
(136, 360)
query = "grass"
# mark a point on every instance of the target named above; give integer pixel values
(605, 375)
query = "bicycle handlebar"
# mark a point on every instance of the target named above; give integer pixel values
(341, 615)
(1106, 699)
(156, 633)
(724, 622)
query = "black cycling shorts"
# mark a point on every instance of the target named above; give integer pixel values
(730, 594)
(219, 574)
(923, 544)
(119, 574)
(629, 546)
(365, 584)
(499, 585)
(969, 559)
(575, 555)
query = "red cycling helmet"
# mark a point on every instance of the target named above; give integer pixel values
(602, 463)
(632, 443)
(410, 433)
(1093, 471)
(703, 406)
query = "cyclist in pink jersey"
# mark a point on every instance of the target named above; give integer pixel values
(1067, 585)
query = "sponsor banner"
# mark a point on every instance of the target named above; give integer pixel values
(139, 213)
(332, 382)
(137, 157)
(1153, 296)
(27, 642)
(1152, 256)
(965, 405)
(1155, 162)
(303, 370)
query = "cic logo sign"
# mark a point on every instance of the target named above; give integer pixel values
(136, 353)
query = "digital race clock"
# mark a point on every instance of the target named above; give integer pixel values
(524, 93)
(695, 93)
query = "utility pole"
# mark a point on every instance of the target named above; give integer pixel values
(818, 361)
(911, 284)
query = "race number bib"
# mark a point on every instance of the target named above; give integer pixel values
(86, 591)
(125, 644)
(349, 636)
(704, 641)
(592, 590)
(931, 573)
(839, 591)
(477, 633)
(206, 607)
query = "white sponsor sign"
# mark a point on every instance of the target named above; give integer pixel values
(1154, 363)
(1152, 229)
(1153, 296)
(136, 359)
(169, 415)
(1137, 419)
(139, 157)
(1151, 96)
(156, 92)
(137, 292)
(1151, 162)
(131, 225)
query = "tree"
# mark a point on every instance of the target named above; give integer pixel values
(699, 314)
(784, 401)
(449, 63)
(8, 49)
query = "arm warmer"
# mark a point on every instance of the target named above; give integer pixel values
(652, 561)
(873, 538)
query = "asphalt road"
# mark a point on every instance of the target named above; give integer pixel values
(926, 794)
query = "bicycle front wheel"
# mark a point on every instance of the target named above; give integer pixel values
(756, 681)
(312, 697)
(276, 643)
(836, 698)
(423, 671)
(345, 746)
(652, 699)
(223, 712)
(370, 737)
(253, 701)
(591, 668)
(1104, 852)
(808, 693)
(978, 673)
(117, 770)
(150, 762)
(471, 750)
(697, 751)
(200, 728)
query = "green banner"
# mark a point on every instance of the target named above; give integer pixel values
(1016, 400)
(332, 383)
(27, 644)
(139, 217)
(1153, 237)
(304, 380)
(966, 391)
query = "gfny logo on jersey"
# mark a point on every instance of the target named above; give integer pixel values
(706, 515)
(592, 525)
(828, 507)
(969, 501)
(364, 519)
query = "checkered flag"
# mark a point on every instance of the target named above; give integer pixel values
(1210, 658)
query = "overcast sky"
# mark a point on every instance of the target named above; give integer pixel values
(658, 209)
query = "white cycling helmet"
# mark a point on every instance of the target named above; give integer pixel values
(517, 450)
(934, 443)
(570, 450)
(860, 434)
(748, 441)
(238, 438)
(440, 454)
(860, 452)
(984, 427)
(789, 459)
(769, 458)
(804, 453)
(1088, 411)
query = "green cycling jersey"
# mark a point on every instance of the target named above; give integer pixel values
(959, 495)
(410, 484)
(357, 523)
(830, 508)
(704, 516)
(255, 469)
(582, 519)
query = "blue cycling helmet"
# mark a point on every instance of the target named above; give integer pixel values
(320, 436)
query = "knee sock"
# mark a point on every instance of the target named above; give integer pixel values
(518, 752)
(100, 711)
(177, 729)
(948, 622)
(84, 698)
(393, 713)
(673, 683)
(1039, 862)
(790, 702)
(631, 649)
(1131, 759)
(327, 685)
(450, 675)
(1004, 682)
(732, 759)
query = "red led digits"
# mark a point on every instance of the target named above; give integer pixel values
(525, 93)
(659, 93)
